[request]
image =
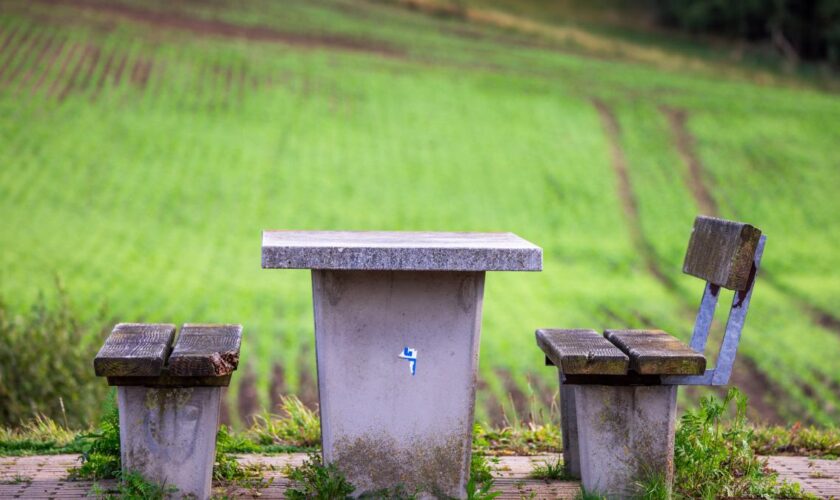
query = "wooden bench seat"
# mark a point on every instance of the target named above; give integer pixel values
(589, 357)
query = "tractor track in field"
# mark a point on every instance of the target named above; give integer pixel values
(684, 143)
(630, 206)
(699, 185)
(748, 377)
(224, 29)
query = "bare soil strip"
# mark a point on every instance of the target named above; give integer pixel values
(94, 59)
(818, 315)
(59, 78)
(220, 28)
(278, 386)
(53, 57)
(307, 385)
(106, 69)
(8, 39)
(625, 192)
(45, 48)
(684, 142)
(141, 71)
(12, 53)
(72, 81)
(748, 374)
(118, 73)
(30, 49)
(248, 401)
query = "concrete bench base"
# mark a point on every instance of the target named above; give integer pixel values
(169, 435)
(617, 436)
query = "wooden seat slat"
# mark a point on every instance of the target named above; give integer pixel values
(206, 351)
(582, 352)
(654, 352)
(134, 350)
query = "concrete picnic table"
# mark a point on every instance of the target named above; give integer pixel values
(397, 324)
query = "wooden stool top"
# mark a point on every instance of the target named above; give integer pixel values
(144, 354)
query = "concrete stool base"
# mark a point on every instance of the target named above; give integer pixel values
(568, 428)
(169, 435)
(625, 434)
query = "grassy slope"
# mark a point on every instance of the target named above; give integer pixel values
(150, 195)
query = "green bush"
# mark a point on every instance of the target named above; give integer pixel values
(46, 364)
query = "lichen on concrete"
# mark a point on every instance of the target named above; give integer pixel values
(376, 462)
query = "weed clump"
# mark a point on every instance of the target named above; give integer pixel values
(316, 481)
(481, 482)
(550, 470)
(134, 486)
(100, 449)
(713, 457)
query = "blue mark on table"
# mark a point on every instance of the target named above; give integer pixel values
(410, 355)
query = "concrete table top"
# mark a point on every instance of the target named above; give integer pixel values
(399, 251)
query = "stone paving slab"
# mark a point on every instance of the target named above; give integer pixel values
(820, 477)
(44, 477)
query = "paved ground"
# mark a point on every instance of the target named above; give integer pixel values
(44, 477)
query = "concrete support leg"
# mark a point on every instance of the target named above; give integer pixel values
(568, 427)
(169, 435)
(625, 435)
(397, 358)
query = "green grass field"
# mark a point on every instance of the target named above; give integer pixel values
(144, 146)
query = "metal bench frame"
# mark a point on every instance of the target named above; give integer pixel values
(719, 375)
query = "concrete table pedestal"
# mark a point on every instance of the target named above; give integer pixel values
(397, 326)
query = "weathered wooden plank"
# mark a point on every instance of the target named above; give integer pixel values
(654, 352)
(721, 252)
(134, 350)
(206, 351)
(582, 352)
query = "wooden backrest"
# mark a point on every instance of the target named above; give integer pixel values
(721, 252)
